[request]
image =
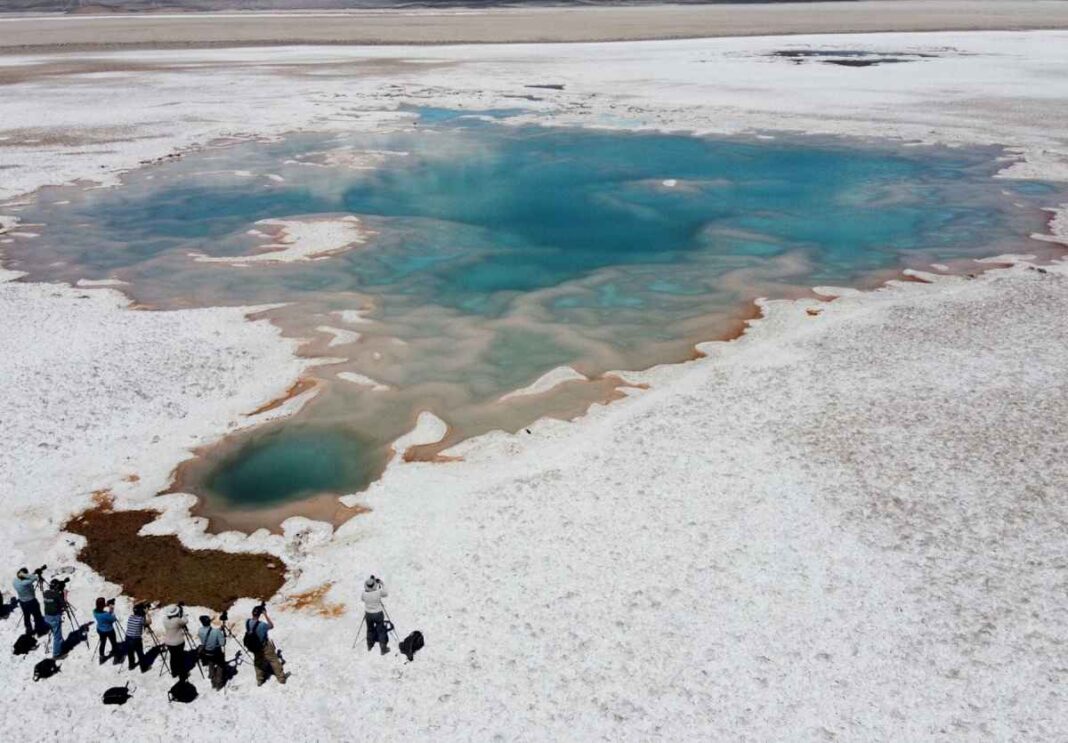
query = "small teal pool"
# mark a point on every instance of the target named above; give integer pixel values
(289, 464)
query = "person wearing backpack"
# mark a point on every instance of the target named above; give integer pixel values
(135, 630)
(55, 601)
(264, 653)
(175, 626)
(104, 615)
(26, 591)
(213, 650)
(374, 613)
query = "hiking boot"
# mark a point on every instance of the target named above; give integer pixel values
(385, 650)
(282, 678)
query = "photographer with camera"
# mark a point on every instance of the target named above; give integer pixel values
(374, 613)
(55, 603)
(264, 653)
(213, 649)
(26, 591)
(104, 615)
(175, 626)
(135, 629)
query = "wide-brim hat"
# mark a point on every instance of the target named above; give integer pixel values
(369, 583)
(173, 611)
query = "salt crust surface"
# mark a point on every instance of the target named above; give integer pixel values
(364, 380)
(843, 526)
(546, 382)
(339, 336)
(849, 524)
(299, 240)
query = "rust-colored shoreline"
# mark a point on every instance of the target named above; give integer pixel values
(299, 387)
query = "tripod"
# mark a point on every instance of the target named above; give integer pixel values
(192, 642)
(68, 612)
(389, 627)
(164, 651)
(228, 629)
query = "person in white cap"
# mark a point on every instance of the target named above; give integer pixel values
(174, 629)
(374, 613)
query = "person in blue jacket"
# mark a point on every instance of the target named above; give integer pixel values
(104, 614)
(265, 657)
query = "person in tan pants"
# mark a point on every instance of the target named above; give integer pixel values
(264, 653)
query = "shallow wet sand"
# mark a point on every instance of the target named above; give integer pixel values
(457, 26)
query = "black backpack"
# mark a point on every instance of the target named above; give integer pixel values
(183, 692)
(53, 602)
(412, 644)
(117, 694)
(251, 640)
(45, 669)
(24, 644)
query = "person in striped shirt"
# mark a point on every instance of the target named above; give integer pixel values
(135, 628)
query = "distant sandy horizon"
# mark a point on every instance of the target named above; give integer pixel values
(540, 24)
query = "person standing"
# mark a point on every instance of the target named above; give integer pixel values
(55, 601)
(175, 626)
(135, 630)
(26, 591)
(264, 653)
(374, 613)
(213, 650)
(104, 616)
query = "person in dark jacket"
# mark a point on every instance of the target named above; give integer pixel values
(26, 591)
(104, 615)
(135, 630)
(55, 601)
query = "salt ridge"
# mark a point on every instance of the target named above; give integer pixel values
(299, 240)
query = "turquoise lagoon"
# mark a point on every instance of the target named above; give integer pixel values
(500, 252)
